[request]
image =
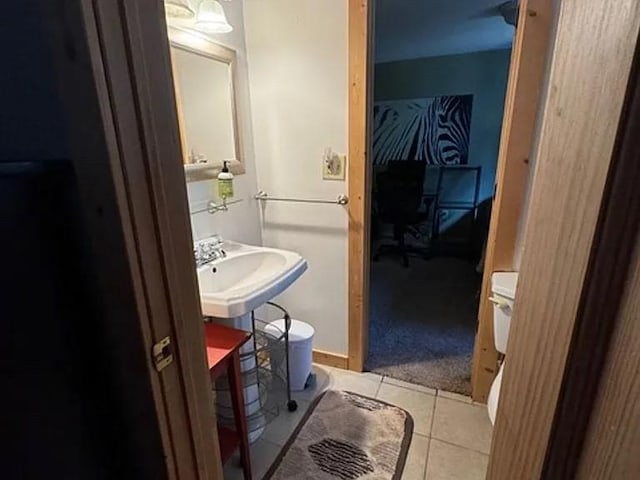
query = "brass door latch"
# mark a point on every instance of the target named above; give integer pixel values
(162, 354)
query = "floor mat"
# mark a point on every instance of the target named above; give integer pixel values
(346, 436)
(422, 321)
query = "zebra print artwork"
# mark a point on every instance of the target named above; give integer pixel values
(434, 130)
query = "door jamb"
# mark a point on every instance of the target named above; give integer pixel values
(360, 27)
(523, 98)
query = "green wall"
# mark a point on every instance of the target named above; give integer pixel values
(483, 74)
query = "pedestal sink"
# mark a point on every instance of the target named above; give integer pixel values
(246, 278)
(231, 288)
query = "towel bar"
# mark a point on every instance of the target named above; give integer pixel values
(340, 199)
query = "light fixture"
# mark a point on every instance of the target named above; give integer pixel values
(178, 9)
(211, 18)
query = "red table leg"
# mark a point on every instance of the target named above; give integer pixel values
(237, 399)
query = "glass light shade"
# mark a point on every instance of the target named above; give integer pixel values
(178, 9)
(211, 18)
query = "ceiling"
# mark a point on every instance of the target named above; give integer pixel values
(427, 28)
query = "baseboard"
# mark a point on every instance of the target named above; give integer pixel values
(331, 359)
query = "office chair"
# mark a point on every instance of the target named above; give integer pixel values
(398, 200)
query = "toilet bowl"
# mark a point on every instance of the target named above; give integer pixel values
(503, 292)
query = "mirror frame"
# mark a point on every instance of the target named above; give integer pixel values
(198, 44)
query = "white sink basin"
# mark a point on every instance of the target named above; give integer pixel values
(246, 278)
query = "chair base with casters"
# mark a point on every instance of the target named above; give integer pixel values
(400, 247)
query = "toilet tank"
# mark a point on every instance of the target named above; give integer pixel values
(503, 292)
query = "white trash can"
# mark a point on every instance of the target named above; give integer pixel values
(300, 350)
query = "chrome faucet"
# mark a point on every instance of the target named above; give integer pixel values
(209, 250)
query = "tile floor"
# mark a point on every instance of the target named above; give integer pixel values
(451, 435)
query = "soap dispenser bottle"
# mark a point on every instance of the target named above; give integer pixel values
(225, 182)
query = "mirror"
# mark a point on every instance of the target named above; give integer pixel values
(204, 81)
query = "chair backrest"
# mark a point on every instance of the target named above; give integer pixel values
(399, 191)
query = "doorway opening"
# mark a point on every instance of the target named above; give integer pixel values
(439, 81)
(507, 197)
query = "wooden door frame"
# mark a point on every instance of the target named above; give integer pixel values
(523, 98)
(115, 80)
(360, 27)
(523, 94)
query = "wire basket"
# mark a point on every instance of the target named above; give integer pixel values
(265, 372)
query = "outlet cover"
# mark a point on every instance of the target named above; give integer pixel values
(334, 166)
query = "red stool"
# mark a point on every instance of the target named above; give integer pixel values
(223, 355)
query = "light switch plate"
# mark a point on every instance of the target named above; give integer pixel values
(334, 166)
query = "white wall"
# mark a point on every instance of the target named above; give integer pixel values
(299, 85)
(242, 221)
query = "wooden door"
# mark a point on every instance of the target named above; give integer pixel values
(595, 433)
(114, 66)
(612, 444)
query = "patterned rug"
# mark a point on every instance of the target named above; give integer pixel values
(347, 437)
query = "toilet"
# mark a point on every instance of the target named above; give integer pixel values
(503, 292)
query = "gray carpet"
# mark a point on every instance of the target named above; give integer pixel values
(422, 321)
(345, 436)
